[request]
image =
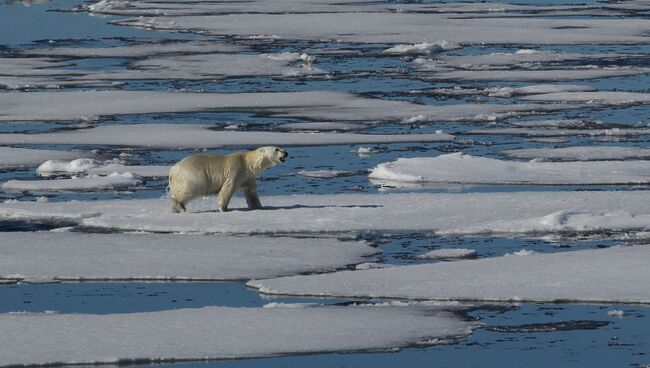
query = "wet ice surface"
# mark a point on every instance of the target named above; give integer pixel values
(583, 67)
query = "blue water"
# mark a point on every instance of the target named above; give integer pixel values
(512, 336)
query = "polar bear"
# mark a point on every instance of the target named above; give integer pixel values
(207, 174)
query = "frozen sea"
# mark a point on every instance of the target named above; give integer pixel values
(547, 100)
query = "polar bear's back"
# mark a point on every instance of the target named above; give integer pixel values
(200, 174)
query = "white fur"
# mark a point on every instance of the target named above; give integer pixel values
(209, 174)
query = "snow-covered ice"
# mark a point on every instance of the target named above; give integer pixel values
(324, 174)
(581, 153)
(601, 97)
(421, 48)
(535, 75)
(173, 136)
(113, 181)
(604, 275)
(14, 158)
(70, 256)
(448, 254)
(407, 28)
(467, 169)
(532, 132)
(95, 167)
(319, 105)
(216, 333)
(453, 213)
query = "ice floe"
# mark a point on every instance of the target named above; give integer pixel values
(453, 213)
(466, 169)
(511, 91)
(535, 75)
(448, 254)
(421, 48)
(603, 275)
(324, 174)
(140, 50)
(581, 153)
(95, 167)
(172, 136)
(66, 256)
(113, 181)
(216, 333)
(318, 105)
(14, 158)
(407, 28)
(602, 97)
(527, 132)
(318, 126)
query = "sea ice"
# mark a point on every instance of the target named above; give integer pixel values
(408, 28)
(69, 256)
(15, 158)
(602, 97)
(466, 169)
(175, 136)
(421, 48)
(216, 333)
(442, 213)
(448, 253)
(112, 181)
(94, 167)
(580, 153)
(318, 105)
(324, 174)
(615, 275)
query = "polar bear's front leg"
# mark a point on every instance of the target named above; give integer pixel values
(252, 199)
(225, 195)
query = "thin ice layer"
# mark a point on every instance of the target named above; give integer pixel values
(401, 28)
(112, 181)
(580, 153)
(184, 136)
(616, 275)
(13, 158)
(467, 169)
(457, 213)
(75, 256)
(216, 333)
(84, 105)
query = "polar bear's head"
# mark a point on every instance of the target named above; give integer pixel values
(267, 156)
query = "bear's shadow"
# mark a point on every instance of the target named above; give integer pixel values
(293, 207)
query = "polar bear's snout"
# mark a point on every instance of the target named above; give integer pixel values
(283, 155)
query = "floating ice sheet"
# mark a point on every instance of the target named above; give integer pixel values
(171, 136)
(94, 167)
(460, 213)
(603, 97)
(526, 132)
(582, 153)
(216, 333)
(603, 275)
(12, 158)
(448, 254)
(324, 174)
(405, 28)
(512, 91)
(112, 181)
(75, 256)
(466, 169)
(537, 75)
(525, 57)
(72, 106)
(139, 50)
